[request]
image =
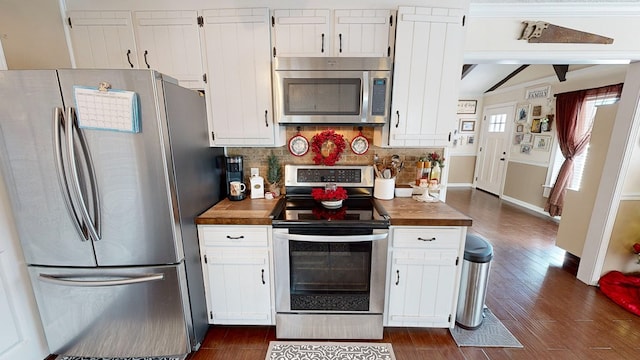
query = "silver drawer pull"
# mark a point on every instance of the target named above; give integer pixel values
(235, 237)
(432, 239)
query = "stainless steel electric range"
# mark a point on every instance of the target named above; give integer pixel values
(330, 263)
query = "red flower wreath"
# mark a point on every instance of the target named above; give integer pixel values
(320, 139)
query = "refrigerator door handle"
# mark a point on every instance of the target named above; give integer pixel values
(72, 281)
(93, 226)
(58, 123)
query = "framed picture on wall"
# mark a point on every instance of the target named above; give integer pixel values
(539, 92)
(517, 139)
(467, 125)
(542, 142)
(525, 149)
(536, 126)
(537, 110)
(467, 106)
(523, 111)
(520, 128)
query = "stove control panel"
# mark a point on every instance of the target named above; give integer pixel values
(318, 175)
(329, 175)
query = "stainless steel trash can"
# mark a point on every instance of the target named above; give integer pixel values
(478, 253)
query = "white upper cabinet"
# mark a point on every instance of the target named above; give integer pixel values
(309, 32)
(102, 39)
(363, 32)
(166, 41)
(169, 41)
(427, 70)
(301, 32)
(237, 48)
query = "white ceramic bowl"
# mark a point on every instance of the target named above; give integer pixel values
(404, 192)
(332, 204)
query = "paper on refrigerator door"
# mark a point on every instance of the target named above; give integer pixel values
(115, 110)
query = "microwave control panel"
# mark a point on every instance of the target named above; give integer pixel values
(378, 96)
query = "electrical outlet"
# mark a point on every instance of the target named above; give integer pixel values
(255, 171)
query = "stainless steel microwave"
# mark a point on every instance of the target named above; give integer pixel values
(332, 90)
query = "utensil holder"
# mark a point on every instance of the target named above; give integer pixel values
(384, 188)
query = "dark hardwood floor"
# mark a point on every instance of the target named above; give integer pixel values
(554, 315)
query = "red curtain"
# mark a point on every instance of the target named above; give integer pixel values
(574, 133)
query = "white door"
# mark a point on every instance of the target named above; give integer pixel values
(102, 39)
(239, 84)
(21, 335)
(362, 32)
(169, 41)
(302, 32)
(493, 150)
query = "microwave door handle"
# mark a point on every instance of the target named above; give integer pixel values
(365, 96)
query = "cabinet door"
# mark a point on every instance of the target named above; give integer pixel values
(362, 33)
(239, 286)
(169, 41)
(422, 288)
(301, 33)
(428, 64)
(102, 39)
(239, 83)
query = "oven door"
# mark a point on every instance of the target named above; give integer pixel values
(327, 273)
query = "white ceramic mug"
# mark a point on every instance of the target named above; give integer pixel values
(237, 188)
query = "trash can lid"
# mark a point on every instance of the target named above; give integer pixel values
(477, 249)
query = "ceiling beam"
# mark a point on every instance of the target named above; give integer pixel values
(561, 72)
(514, 73)
(466, 69)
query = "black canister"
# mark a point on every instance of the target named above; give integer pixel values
(235, 174)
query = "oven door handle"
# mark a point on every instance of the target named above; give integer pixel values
(345, 238)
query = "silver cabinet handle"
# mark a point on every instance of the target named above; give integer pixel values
(422, 239)
(78, 282)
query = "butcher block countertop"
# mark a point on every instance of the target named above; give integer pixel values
(243, 212)
(402, 211)
(409, 212)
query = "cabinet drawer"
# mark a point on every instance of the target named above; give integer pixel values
(427, 238)
(247, 236)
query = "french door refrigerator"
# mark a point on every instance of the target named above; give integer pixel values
(106, 218)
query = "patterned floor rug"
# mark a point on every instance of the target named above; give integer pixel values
(492, 333)
(287, 350)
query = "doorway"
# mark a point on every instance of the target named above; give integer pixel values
(492, 153)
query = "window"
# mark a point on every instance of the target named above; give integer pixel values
(579, 161)
(497, 123)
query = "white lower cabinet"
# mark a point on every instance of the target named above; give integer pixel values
(424, 276)
(236, 264)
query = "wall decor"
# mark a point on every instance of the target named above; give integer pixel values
(470, 140)
(298, 144)
(535, 126)
(327, 147)
(526, 138)
(542, 142)
(520, 128)
(537, 110)
(541, 92)
(525, 149)
(467, 106)
(467, 125)
(523, 110)
(517, 139)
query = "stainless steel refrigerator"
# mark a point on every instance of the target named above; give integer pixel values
(106, 218)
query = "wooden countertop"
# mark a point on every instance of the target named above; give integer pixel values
(409, 212)
(403, 211)
(243, 212)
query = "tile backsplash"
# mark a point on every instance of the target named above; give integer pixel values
(257, 157)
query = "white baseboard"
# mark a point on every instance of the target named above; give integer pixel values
(526, 205)
(457, 185)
